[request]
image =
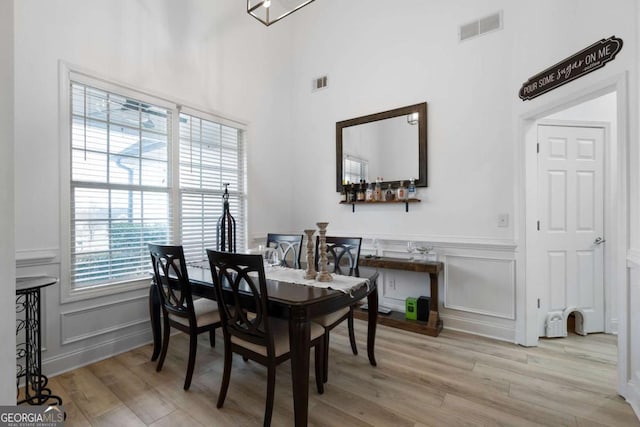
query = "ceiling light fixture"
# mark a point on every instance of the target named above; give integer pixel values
(271, 11)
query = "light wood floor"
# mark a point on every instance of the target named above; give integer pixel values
(453, 380)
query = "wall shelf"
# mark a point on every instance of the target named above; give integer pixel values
(405, 202)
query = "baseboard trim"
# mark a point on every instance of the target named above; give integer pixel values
(65, 362)
(633, 398)
(480, 328)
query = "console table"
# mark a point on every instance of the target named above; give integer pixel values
(433, 269)
(29, 360)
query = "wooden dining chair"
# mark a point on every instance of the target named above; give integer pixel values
(241, 292)
(343, 254)
(290, 246)
(179, 310)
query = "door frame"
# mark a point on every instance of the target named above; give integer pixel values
(532, 189)
(618, 241)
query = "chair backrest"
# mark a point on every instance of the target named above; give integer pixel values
(241, 292)
(172, 280)
(342, 252)
(290, 246)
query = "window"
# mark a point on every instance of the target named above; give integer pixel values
(134, 179)
(355, 169)
(211, 155)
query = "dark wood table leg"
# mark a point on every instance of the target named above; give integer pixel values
(299, 334)
(434, 325)
(372, 300)
(154, 315)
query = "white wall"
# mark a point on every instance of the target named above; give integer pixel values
(7, 251)
(384, 56)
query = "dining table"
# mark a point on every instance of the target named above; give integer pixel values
(299, 304)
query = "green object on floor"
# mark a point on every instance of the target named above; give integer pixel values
(411, 308)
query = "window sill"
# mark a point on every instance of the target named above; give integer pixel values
(92, 292)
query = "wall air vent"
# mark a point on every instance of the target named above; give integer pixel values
(320, 83)
(481, 26)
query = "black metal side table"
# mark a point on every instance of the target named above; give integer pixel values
(28, 357)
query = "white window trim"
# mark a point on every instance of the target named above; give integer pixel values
(66, 74)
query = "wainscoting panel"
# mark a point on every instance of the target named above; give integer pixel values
(89, 322)
(480, 285)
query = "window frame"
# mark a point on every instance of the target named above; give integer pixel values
(69, 74)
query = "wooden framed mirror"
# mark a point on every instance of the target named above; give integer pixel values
(391, 145)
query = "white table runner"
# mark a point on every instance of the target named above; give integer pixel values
(341, 283)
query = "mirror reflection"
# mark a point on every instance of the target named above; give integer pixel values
(391, 145)
(386, 148)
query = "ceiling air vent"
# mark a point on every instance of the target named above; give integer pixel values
(320, 83)
(481, 26)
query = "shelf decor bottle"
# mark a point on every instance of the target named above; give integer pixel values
(389, 195)
(402, 191)
(378, 190)
(369, 194)
(411, 192)
(361, 191)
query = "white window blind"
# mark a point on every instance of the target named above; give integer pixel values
(355, 169)
(211, 154)
(120, 189)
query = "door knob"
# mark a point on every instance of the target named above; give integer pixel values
(598, 241)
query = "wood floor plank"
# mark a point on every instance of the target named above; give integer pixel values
(453, 380)
(177, 418)
(88, 393)
(118, 417)
(75, 417)
(571, 401)
(141, 398)
(484, 415)
(371, 412)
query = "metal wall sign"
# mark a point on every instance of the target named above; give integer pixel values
(577, 65)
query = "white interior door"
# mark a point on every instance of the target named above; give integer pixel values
(570, 249)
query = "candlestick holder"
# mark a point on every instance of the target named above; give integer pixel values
(323, 274)
(311, 269)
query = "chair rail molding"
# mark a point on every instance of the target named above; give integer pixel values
(486, 327)
(453, 242)
(33, 257)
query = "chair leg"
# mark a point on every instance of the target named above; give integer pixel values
(352, 334)
(226, 374)
(325, 358)
(193, 347)
(165, 344)
(271, 386)
(212, 337)
(319, 361)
